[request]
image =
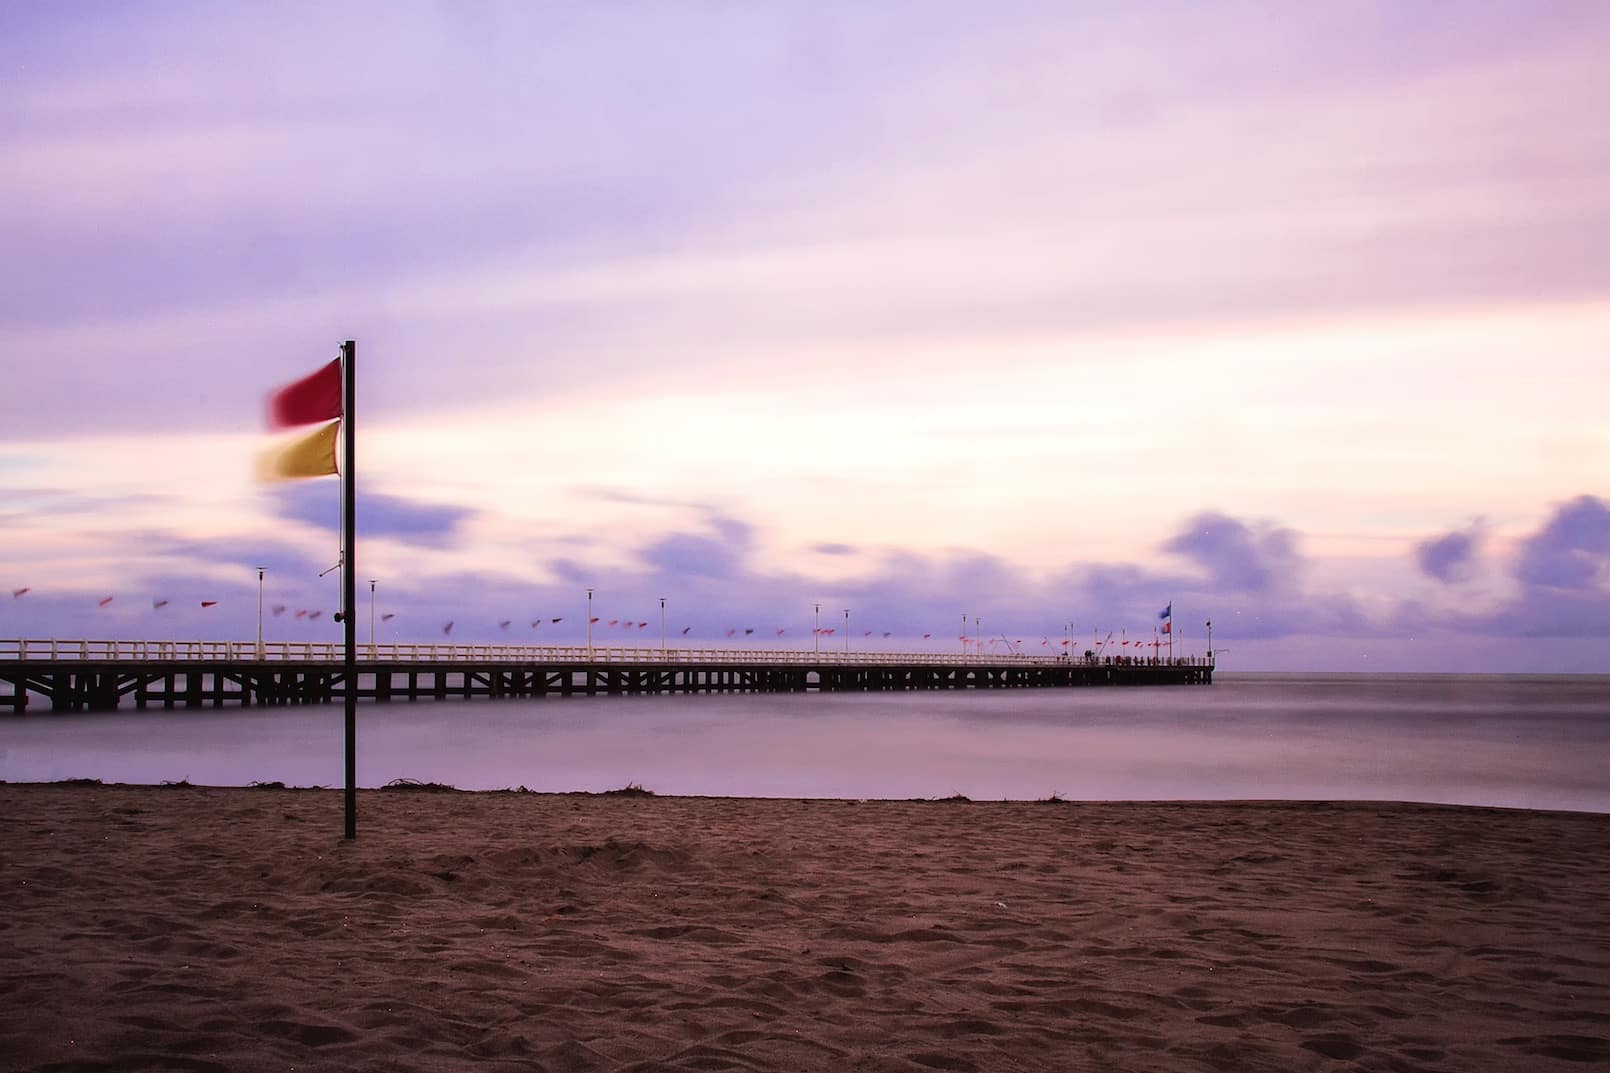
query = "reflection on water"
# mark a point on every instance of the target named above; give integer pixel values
(1527, 742)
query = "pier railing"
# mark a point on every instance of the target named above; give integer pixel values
(81, 650)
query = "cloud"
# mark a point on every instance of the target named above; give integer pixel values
(1571, 551)
(379, 515)
(1238, 556)
(833, 549)
(1448, 557)
(701, 555)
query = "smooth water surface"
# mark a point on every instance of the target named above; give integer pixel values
(1535, 742)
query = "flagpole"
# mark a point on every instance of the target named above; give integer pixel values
(349, 621)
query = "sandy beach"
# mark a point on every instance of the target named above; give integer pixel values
(150, 928)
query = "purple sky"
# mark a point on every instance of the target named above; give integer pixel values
(1295, 316)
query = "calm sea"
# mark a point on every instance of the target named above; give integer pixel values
(1534, 742)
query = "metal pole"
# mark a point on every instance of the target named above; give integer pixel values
(589, 625)
(371, 618)
(349, 361)
(259, 613)
(662, 627)
(964, 635)
(1210, 640)
(846, 631)
(818, 632)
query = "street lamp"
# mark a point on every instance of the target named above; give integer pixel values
(818, 631)
(964, 635)
(1210, 641)
(260, 613)
(589, 625)
(371, 618)
(846, 631)
(662, 627)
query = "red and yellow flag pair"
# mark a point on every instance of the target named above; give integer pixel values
(314, 398)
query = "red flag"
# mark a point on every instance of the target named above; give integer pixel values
(314, 614)
(103, 603)
(685, 630)
(592, 620)
(301, 614)
(642, 625)
(612, 621)
(1166, 626)
(561, 618)
(779, 633)
(926, 636)
(204, 603)
(315, 397)
(157, 605)
(19, 592)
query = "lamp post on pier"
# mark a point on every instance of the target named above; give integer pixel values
(662, 627)
(964, 635)
(1210, 641)
(846, 631)
(371, 618)
(817, 633)
(260, 613)
(589, 625)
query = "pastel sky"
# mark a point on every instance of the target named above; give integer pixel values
(1297, 316)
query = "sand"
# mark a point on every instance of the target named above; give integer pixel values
(232, 929)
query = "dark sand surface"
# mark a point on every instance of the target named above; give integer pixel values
(232, 929)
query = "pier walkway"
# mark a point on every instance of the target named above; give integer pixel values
(88, 675)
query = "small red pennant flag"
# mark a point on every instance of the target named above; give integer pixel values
(313, 615)
(20, 592)
(209, 603)
(685, 630)
(301, 614)
(103, 602)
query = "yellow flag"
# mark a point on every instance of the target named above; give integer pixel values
(312, 455)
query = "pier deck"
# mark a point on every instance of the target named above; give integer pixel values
(73, 676)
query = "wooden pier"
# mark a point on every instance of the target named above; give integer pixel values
(76, 676)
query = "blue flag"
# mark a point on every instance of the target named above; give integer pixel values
(1167, 611)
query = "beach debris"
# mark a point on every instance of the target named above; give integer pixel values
(178, 784)
(257, 784)
(416, 786)
(1000, 905)
(631, 789)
